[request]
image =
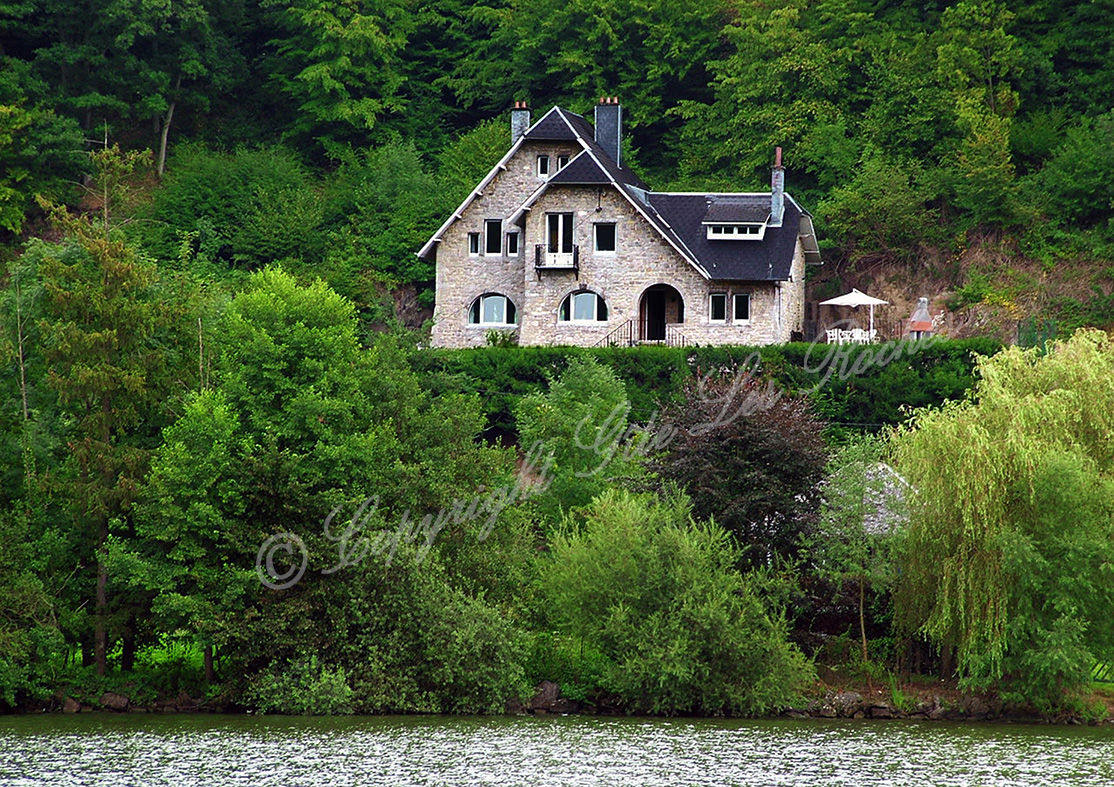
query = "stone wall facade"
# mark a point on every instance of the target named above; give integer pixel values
(642, 260)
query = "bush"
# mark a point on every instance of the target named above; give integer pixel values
(678, 629)
(303, 688)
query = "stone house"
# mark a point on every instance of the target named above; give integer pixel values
(561, 244)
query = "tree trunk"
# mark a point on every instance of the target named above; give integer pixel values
(127, 657)
(862, 614)
(100, 615)
(166, 128)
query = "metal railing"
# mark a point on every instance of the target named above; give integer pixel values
(634, 332)
(556, 260)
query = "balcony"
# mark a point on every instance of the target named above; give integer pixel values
(545, 260)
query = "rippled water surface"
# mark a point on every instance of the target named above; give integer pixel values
(138, 750)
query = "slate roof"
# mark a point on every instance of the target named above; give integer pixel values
(732, 209)
(755, 260)
(678, 217)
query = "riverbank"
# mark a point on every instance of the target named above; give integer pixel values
(941, 701)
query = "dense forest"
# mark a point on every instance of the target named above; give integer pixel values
(214, 363)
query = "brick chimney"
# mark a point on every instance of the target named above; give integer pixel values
(520, 120)
(609, 127)
(777, 191)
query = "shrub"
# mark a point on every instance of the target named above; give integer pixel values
(679, 630)
(302, 687)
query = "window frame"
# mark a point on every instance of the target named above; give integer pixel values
(476, 310)
(564, 232)
(721, 297)
(736, 298)
(474, 245)
(614, 237)
(512, 244)
(543, 165)
(567, 309)
(493, 231)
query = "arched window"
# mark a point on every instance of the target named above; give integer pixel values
(492, 309)
(583, 306)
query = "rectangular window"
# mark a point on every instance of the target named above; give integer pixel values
(742, 307)
(473, 243)
(559, 233)
(512, 243)
(543, 166)
(718, 307)
(493, 237)
(562, 162)
(605, 238)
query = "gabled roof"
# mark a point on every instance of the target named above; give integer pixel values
(679, 217)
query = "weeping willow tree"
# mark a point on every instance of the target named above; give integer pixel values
(1009, 555)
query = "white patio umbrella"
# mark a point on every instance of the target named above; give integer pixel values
(856, 298)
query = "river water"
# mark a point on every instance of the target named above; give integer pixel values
(140, 750)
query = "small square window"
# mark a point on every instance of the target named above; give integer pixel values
(493, 237)
(512, 243)
(718, 307)
(605, 238)
(742, 307)
(473, 243)
(543, 166)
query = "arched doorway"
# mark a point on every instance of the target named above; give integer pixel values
(661, 305)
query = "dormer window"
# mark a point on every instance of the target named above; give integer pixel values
(736, 231)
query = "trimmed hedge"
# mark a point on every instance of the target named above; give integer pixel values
(855, 387)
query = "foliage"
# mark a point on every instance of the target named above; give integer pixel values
(340, 64)
(658, 596)
(581, 423)
(1077, 178)
(991, 566)
(40, 151)
(860, 517)
(301, 687)
(406, 640)
(248, 208)
(751, 456)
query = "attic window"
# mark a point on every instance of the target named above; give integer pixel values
(543, 166)
(736, 231)
(562, 162)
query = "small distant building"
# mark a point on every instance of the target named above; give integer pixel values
(561, 244)
(920, 324)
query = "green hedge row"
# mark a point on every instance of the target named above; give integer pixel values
(858, 387)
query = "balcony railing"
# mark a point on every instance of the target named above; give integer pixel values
(556, 260)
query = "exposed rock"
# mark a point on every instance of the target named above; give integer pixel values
(514, 708)
(881, 712)
(70, 705)
(848, 702)
(114, 701)
(545, 697)
(565, 705)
